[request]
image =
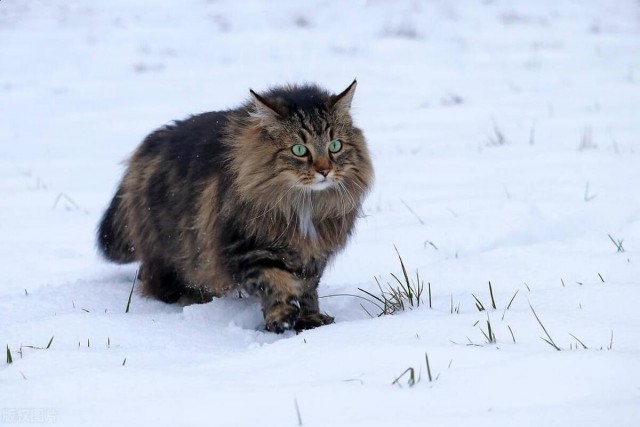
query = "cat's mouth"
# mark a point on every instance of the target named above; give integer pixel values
(322, 182)
(321, 185)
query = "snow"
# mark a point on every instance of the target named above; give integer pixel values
(505, 142)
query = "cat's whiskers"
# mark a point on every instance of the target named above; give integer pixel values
(298, 204)
(358, 202)
(276, 203)
(340, 190)
(347, 193)
(290, 214)
(353, 199)
(361, 188)
(357, 184)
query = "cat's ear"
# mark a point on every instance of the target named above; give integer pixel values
(266, 111)
(342, 101)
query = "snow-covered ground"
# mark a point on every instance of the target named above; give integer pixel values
(505, 137)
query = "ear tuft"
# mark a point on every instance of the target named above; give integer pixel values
(265, 110)
(342, 101)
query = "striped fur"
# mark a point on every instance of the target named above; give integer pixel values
(219, 202)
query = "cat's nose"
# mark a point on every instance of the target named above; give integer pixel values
(324, 172)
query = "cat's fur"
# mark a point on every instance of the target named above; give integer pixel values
(219, 202)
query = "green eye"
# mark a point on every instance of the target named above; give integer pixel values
(299, 150)
(335, 146)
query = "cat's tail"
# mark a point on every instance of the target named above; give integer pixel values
(113, 239)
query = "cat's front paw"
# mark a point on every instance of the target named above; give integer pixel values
(310, 321)
(282, 316)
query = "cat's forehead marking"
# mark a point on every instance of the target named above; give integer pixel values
(315, 123)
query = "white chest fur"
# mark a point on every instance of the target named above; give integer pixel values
(305, 222)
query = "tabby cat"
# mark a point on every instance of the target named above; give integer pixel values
(257, 199)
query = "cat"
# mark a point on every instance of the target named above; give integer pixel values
(256, 199)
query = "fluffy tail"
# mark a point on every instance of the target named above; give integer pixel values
(113, 240)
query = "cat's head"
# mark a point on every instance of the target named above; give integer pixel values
(309, 140)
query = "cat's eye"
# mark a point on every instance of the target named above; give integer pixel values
(299, 150)
(335, 146)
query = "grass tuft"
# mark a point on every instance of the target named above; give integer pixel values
(9, 358)
(479, 304)
(454, 309)
(393, 298)
(412, 377)
(578, 340)
(410, 372)
(618, 243)
(39, 348)
(489, 335)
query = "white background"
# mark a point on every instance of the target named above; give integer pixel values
(505, 140)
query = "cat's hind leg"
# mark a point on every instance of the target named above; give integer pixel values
(162, 281)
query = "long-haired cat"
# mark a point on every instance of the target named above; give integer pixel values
(257, 198)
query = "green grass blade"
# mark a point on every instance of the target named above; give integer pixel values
(492, 336)
(412, 377)
(611, 341)
(485, 335)
(577, 339)
(550, 340)
(404, 270)
(493, 301)
(131, 293)
(372, 296)
(295, 402)
(512, 298)
(479, 304)
(426, 357)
